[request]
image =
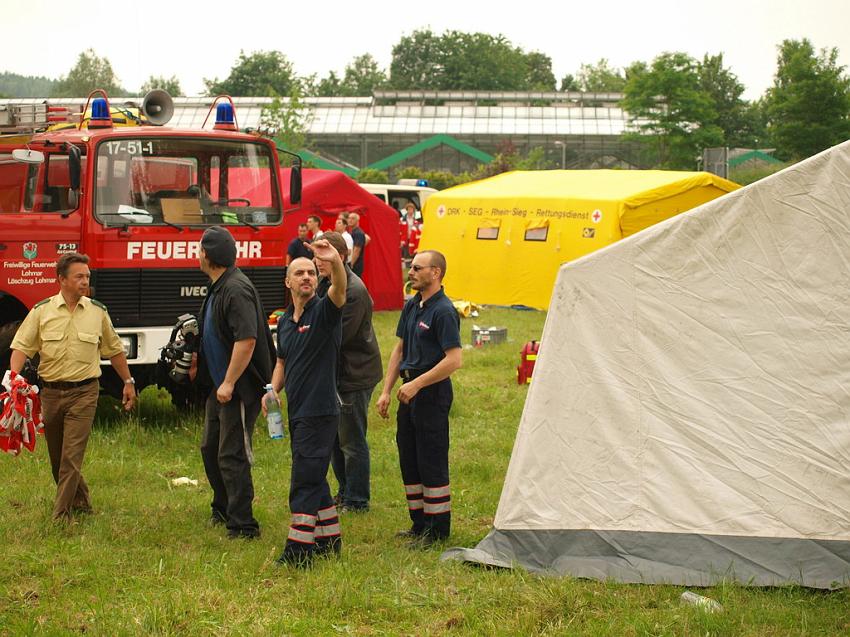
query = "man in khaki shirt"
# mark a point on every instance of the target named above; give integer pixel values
(71, 332)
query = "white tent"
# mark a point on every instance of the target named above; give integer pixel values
(689, 418)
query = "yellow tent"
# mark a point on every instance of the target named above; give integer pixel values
(505, 237)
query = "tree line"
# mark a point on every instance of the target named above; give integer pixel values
(678, 104)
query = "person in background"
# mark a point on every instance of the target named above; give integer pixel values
(236, 354)
(427, 353)
(71, 332)
(358, 238)
(410, 226)
(296, 247)
(342, 228)
(314, 226)
(308, 339)
(360, 369)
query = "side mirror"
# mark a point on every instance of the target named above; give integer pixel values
(27, 156)
(74, 166)
(295, 185)
(74, 170)
(294, 177)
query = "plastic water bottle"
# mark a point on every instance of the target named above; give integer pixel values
(274, 419)
(700, 601)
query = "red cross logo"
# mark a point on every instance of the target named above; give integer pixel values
(596, 216)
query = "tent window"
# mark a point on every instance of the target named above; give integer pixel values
(488, 234)
(537, 234)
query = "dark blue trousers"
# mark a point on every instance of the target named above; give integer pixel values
(314, 516)
(422, 437)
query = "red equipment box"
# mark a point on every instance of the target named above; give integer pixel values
(527, 358)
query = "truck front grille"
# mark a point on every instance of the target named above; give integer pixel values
(148, 298)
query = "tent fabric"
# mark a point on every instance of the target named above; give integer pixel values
(575, 212)
(326, 193)
(688, 418)
(685, 559)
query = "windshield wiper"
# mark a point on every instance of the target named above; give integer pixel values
(130, 213)
(230, 217)
(173, 225)
(242, 221)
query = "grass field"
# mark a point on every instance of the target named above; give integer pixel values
(147, 563)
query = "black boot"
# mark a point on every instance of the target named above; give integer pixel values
(329, 546)
(297, 555)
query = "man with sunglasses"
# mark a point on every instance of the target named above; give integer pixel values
(426, 355)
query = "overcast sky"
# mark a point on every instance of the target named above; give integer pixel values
(195, 40)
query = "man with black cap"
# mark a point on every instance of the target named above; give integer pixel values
(236, 354)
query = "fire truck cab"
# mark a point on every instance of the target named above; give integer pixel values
(136, 200)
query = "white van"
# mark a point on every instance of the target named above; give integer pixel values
(398, 195)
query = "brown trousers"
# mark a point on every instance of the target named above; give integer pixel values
(68, 415)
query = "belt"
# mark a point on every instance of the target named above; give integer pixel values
(410, 374)
(67, 384)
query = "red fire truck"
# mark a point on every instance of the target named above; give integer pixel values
(136, 196)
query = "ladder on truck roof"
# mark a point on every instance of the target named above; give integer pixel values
(16, 119)
(28, 118)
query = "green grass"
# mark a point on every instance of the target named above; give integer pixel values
(147, 563)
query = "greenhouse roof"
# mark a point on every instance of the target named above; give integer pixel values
(420, 113)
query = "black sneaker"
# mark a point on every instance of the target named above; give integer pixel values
(354, 508)
(217, 518)
(243, 534)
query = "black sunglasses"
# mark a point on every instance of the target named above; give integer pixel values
(417, 267)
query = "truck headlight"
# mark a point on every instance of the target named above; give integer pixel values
(130, 345)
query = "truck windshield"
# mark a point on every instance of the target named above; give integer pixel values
(185, 181)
